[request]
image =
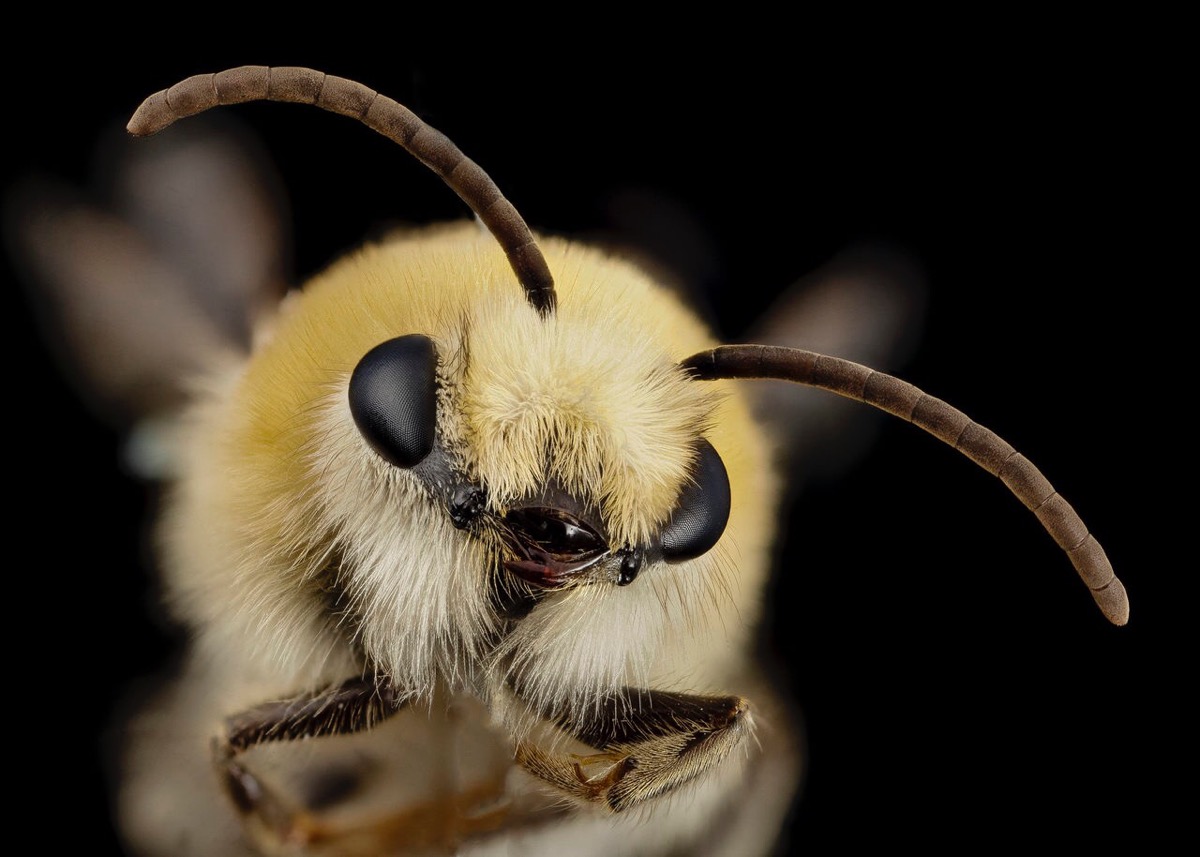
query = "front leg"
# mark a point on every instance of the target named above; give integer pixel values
(650, 743)
(342, 709)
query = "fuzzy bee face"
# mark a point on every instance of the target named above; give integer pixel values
(524, 407)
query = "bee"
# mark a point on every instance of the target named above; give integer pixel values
(530, 576)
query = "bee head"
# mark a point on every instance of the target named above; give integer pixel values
(587, 460)
(436, 416)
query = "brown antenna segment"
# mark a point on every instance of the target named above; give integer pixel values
(948, 424)
(391, 119)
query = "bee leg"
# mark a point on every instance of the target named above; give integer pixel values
(649, 743)
(351, 706)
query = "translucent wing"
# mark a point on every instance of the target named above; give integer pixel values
(149, 281)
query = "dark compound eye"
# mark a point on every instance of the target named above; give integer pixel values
(393, 397)
(699, 520)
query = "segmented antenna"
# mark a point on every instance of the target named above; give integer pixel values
(391, 119)
(948, 424)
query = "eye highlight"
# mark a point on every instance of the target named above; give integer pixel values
(703, 510)
(393, 398)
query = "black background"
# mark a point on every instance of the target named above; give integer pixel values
(957, 684)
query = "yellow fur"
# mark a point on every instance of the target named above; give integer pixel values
(590, 398)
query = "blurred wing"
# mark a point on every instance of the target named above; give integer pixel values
(865, 305)
(147, 291)
(208, 200)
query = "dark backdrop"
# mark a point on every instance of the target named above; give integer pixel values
(957, 684)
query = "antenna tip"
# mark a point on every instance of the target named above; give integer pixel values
(1113, 602)
(152, 116)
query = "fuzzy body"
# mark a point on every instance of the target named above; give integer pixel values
(299, 557)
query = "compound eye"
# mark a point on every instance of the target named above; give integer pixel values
(393, 398)
(703, 510)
